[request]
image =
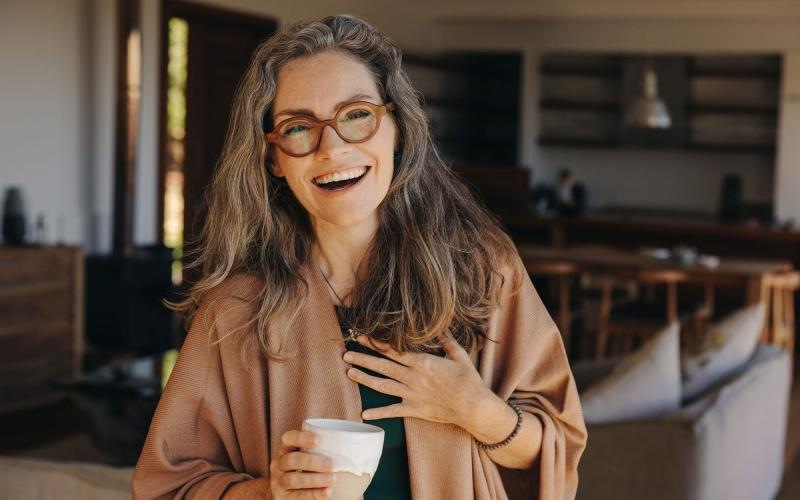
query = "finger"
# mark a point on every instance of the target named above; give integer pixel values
(391, 411)
(383, 366)
(297, 439)
(384, 385)
(305, 480)
(317, 493)
(405, 358)
(304, 461)
(453, 349)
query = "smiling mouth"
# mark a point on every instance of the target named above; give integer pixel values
(338, 185)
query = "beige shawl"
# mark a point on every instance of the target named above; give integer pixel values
(218, 423)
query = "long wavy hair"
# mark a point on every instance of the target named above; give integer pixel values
(432, 267)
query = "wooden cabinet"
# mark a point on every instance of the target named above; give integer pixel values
(41, 322)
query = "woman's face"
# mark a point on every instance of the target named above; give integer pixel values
(318, 83)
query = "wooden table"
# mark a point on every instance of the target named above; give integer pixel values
(729, 240)
(752, 275)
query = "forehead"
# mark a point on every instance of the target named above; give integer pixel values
(319, 82)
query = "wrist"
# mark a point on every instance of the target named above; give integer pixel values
(492, 419)
(247, 488)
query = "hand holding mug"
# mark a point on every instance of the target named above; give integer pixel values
(300, 474)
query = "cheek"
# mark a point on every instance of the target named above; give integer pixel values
(286, 168)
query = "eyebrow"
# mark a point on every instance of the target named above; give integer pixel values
(305, 111)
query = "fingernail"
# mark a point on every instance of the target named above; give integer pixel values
(333, 478)
(348, 356)
(328, 492)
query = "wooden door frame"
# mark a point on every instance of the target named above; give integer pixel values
(182, 8)
(126, 131)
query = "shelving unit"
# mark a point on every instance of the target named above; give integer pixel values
(580, 100)
(724, 104)
(472, 101)
(733, 103)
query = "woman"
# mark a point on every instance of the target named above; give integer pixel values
(330, 199)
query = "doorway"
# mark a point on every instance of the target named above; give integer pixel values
(205, 51)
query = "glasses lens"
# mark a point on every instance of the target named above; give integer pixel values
(298, 136)
(356, 122)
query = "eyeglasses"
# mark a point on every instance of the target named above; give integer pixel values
(354, 122)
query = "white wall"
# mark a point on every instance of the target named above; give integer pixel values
(145, 230)
(46, 115)
(103, 102)
(787, 181)
(672, 180)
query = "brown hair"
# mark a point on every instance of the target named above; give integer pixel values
(433, 265)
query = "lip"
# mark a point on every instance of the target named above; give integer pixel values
(339, 169)
(326, 192)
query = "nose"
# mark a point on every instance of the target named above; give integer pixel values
(330, 144)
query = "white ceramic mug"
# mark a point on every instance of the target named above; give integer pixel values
(355, 449)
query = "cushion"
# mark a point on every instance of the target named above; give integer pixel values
(721, 350)
(646, 383)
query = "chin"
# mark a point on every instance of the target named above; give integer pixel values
(350, 220)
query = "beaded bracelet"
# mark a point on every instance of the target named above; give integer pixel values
(510, 437)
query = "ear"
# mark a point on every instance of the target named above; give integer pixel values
(272, 164)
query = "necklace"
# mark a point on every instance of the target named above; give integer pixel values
(352, 333)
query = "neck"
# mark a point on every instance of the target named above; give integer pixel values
(338, 251)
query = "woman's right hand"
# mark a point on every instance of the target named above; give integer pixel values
(293, 473)
(286, 478)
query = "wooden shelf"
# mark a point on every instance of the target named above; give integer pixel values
(578, 143)
(600, 107)
(476, 141)
(459, 68)
(759, 149)
(733, 109)
(728, 74)
(470, 106)
(611, 73)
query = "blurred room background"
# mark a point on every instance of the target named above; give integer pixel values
(644, 155)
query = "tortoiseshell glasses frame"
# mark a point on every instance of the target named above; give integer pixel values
(297, 143)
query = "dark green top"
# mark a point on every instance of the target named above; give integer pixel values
(391, 481)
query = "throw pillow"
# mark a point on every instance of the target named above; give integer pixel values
(721, 350)
(645, 383)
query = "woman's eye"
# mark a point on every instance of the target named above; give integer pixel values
(359, 113)
(294, 129)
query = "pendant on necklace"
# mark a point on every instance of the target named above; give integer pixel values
(352, 334)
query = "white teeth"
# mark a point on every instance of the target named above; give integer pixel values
(341, 176)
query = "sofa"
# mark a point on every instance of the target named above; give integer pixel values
(728, 443)
(50, 479)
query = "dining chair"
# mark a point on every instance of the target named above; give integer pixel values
(781, 320)
(561, 276)
(625, 322)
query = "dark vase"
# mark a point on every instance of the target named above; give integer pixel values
(13, 217)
